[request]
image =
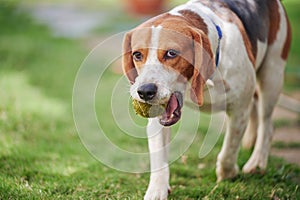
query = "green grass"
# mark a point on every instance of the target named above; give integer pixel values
(41, 156)
(292, 77)
(284, 145)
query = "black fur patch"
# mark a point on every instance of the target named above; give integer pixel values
(255, 18)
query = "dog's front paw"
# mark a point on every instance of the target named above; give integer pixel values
(157, 192)
(226, 172)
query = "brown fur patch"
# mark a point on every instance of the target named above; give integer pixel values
(207, 67)
(127, 62)
(204, 65)
(250, 51)
(287, 43)
(195, 19)
(274, 18)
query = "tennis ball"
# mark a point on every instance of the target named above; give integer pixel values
(147, 110)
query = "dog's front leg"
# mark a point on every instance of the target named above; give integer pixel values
(158, 140)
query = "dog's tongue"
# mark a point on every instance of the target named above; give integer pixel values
(173, 110)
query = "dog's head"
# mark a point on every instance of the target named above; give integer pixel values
(160, 57)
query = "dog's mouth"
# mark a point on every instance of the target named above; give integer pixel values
(172, 112)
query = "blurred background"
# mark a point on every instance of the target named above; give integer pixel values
(42, 45)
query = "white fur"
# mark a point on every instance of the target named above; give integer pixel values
(153, 47)
(158, 138)
(239, 74)
(261, 52)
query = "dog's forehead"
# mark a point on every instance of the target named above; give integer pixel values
(170, 38)
(141, 38)
(166, 38)
(167, 33)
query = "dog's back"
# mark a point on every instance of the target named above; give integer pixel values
(264, 21)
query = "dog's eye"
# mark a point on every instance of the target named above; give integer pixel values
(137, 56)
(171, 54)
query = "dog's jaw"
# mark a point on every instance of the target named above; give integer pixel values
(172, 112)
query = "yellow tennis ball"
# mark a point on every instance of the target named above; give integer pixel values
(147, 110)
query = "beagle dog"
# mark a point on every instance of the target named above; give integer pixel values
(242, 45)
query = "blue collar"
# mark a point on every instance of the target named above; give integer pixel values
(218, 47)
(217, 55)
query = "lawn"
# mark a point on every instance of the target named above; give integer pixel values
(42, 157)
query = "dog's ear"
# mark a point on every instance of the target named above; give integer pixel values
(127, 60)
(204, 65)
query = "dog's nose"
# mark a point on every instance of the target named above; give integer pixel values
(147, 91)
